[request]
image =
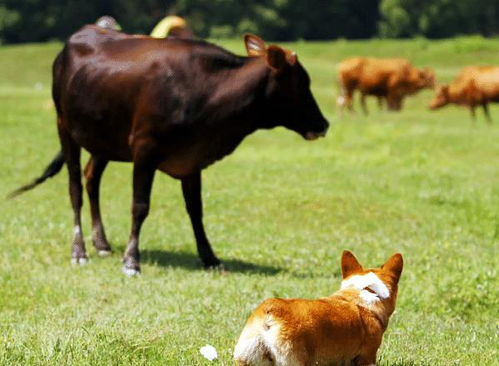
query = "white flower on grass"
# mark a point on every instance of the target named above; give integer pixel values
(209, 352)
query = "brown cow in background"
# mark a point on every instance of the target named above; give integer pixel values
(392, 79)
(474, 86)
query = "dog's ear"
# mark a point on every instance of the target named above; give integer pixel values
(394, 264)
(349, 264)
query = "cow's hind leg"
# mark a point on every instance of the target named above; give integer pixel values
(71, 152)
(93, 173)
(472, 112)
(486, 112)
(191, 188)
(363, 103)
(143, 176)
(380, 103)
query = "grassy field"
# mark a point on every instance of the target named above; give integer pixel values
(279, 212)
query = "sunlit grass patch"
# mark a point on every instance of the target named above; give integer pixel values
(278, 211)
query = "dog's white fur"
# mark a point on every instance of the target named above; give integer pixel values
(256, 341)
(370, 281)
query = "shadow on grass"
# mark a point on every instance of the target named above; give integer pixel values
(192, 262)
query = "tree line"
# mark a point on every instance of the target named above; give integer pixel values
(279, 20)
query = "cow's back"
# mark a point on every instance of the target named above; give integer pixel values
(467, 74)
(106, 81)
(481, 82)
(381, 69)
(379, 75)
(487, 81)
(372, 75)
(350, 72)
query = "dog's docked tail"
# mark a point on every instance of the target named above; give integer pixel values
(52, 169)
(260, 341)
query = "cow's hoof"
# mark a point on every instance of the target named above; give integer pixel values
(104, 253)
(219, 268)
(214, 264)
(102, 247)
(131, 272)
(79, 261)
(131, 267)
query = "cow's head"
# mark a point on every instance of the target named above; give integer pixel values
(420, 79)
(427, 77)
(441, 97)
(291, 102)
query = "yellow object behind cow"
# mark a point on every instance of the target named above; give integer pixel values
(163, 28)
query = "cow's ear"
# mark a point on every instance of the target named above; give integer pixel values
(394, 264)
(349, 264)
(255, 46)
(276, 57)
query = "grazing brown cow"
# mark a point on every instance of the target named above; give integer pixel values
(171, 105)
(474, 86)
(390, 79)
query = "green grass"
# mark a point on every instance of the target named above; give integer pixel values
(279, 212)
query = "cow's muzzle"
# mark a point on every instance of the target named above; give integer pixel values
(310, 135)
(314, 135)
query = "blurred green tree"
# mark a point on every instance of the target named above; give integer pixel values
(438, 18)
(278, 20)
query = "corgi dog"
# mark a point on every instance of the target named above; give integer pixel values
(345, 328)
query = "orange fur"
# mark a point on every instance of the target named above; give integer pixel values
(474, 86)
(390, 78)
(342, 329)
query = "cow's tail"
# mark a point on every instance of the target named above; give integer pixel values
(52, 169)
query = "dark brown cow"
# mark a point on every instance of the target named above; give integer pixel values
(171, 105)
(390, 79)
(474, 86)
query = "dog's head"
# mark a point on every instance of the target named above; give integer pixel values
(375, 284)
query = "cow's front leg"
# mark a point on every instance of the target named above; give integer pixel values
(391, 101)
(143, 175)
(191, 188)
